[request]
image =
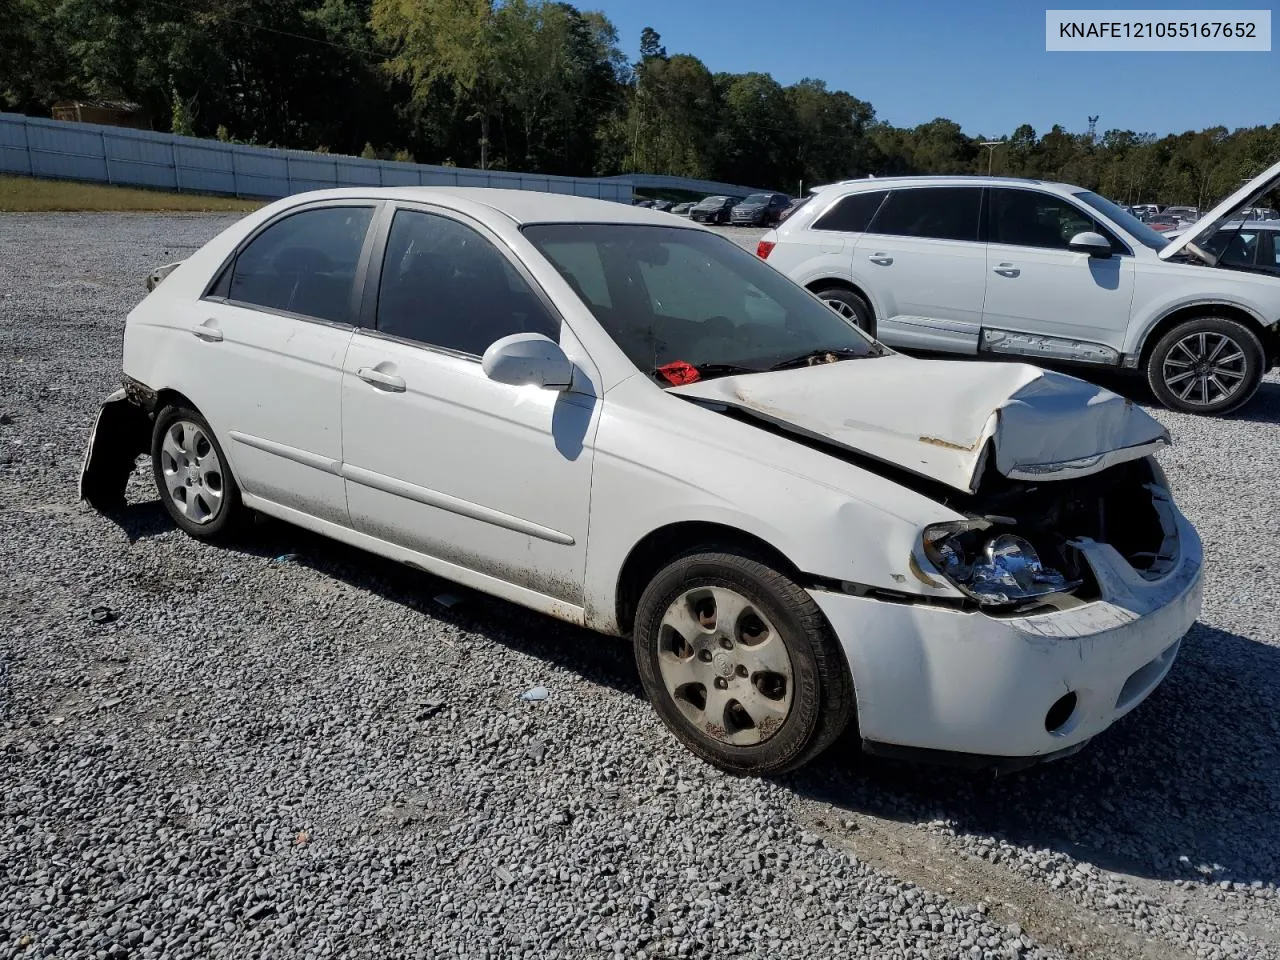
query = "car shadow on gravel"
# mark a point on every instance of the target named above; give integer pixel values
(1185, 787)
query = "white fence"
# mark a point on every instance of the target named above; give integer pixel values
(58, 149)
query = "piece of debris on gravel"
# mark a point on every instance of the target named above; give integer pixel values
(316, 757)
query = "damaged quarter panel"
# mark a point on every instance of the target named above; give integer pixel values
(683, 462)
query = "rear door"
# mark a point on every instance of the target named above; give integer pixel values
(1037, 286)
(925, 267)
(268, 343)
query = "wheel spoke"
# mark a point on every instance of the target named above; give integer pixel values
(679, 617)
(1213, 354)
(769, 656)
(762, 709)
(1182, 345)
(717, 703)
(1233, 374)
(1178, 378)
(1191, 385)
(681, 671)
(1234, 358)
(730, 607)
(1223, 389)
(170, 446)
(188, 440)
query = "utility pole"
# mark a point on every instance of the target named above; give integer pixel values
(991, 151)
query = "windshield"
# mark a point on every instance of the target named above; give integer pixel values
(685, 305)
(712, 201)
(759, 198)
(1122, 218)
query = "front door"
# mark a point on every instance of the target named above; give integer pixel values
(439, 458)
(923, 263)
(1037, 286)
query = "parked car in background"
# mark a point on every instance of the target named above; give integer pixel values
(1187, 215)
(710, 461)
(795, 204)
(682, 209)
(759, 210)
(1162, 222)
(642, 203)
(1259, 213)
(1049, 271)
(663, 205)
(712, 210)
(1143, 209)
(1245, 244)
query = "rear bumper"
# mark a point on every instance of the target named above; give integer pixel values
(939, 679)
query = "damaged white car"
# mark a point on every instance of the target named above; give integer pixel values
(631, 424)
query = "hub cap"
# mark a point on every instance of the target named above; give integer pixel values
(192, 472)
(1204, 368)
(842, 308)
(725, 666)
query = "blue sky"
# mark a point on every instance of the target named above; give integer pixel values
(981, 63)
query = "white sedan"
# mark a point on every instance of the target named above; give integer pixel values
(629, 423)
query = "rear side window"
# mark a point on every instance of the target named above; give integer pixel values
(853, 213)
(936, 213)
(304, 264)
(445, 285)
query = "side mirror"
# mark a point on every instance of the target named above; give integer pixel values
(1094, 244)
(528, 358)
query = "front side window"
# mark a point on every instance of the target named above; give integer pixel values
(853, 213)
(445, 285)
(936, 213)
(680, 299)
(304, 264)
(1028, 218)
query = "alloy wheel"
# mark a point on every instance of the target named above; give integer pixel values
(1205, 368)
(725, 666)
(193, 474)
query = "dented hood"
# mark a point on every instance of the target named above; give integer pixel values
(934, 417)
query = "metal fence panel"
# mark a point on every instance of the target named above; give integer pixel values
(60, 149)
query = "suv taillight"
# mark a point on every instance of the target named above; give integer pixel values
(764, 248)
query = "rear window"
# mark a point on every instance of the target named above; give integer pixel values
(853, 213)
(935, 213)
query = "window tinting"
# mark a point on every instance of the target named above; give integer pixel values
(445, 285)
(305, 263)
(1028, 218)
(853, 213)
(939, 213)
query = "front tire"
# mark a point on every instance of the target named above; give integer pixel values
(193, 476)
(740, 664)
(852, 306)
(1207, 365)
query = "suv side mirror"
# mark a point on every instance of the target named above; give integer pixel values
(1094, 244)
(528, 358)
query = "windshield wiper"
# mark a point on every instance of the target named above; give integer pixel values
(840, 353)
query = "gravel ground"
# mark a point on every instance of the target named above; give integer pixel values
(290, 748)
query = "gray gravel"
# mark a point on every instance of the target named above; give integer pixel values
(290, 748)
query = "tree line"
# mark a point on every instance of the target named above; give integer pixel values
(539, 86)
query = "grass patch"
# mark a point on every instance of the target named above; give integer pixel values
(28, 195)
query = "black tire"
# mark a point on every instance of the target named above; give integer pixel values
(821, 689)
(1180, 359)
(852, 306)
(207, 523)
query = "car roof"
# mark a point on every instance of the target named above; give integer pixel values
(520, 206)
(954, 180)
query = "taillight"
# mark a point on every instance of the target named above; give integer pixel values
(764, 248)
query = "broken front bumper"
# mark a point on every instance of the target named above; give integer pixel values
(121, 431)
(934, 678)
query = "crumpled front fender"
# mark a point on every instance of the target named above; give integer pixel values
(120, 433)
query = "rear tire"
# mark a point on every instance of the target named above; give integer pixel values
(193, 475)
(1208, 365)
(850, 305)
(759, 694)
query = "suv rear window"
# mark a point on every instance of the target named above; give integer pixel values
(851, 214)
(936, 213)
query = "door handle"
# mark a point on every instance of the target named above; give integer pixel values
(383, 381)
(207, 331)
(1007, 270)
(883, 259)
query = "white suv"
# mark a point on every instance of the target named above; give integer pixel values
(983, 265)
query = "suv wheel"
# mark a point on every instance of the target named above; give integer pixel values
(1207, 365)
(740, 663)
(192, 475)
(849, 305)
